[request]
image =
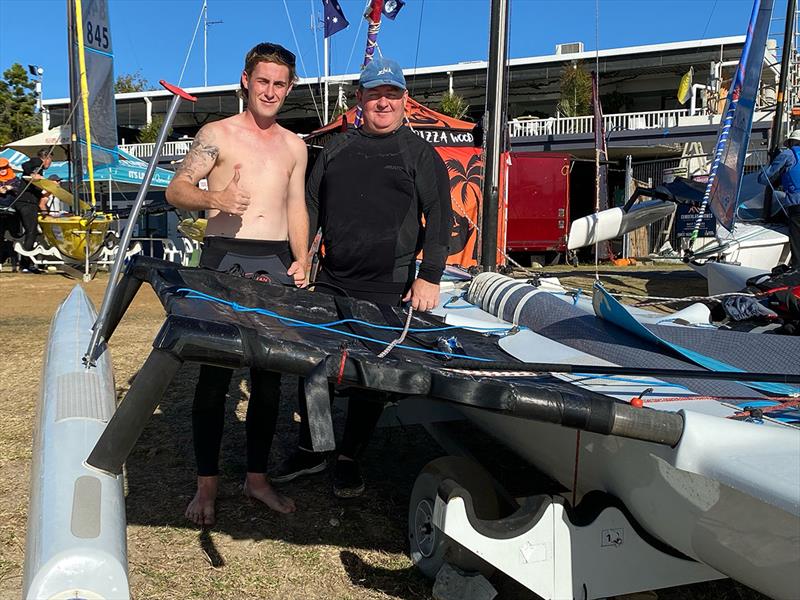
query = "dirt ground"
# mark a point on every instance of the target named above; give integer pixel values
(328, 549)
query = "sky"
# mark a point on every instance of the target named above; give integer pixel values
(154, 36)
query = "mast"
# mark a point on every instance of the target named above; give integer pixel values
(76, 169)
(780, 106)
(495, 120)
(786, 51)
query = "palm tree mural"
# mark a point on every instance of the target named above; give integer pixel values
(469, 178)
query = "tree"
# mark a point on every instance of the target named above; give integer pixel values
(453, 105)
(17, 102)
(149, 133)
(132, 82)
(576, 92)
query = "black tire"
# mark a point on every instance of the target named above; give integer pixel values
(429, 547)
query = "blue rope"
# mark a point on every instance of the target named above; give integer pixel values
(196, 295)
(456, 299)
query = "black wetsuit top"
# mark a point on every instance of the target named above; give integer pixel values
(31, 193)
(369, 194)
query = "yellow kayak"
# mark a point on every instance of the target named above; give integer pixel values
(69, 234)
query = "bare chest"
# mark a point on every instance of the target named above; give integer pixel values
(261, 163)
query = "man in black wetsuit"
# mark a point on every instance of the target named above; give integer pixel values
(368, 191)
(30, 202)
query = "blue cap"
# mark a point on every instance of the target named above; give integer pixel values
(382, 71)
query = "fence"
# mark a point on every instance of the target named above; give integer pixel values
(652, 173)
(659, 119)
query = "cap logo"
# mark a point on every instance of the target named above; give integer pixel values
(385, 70)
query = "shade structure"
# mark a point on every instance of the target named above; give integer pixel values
(57, 138)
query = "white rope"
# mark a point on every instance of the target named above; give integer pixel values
(402, 337)
(191, 44)
(302, 62)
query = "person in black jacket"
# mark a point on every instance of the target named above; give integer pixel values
(30, 202)
(368, 191)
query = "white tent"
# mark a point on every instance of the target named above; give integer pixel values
(57, 138)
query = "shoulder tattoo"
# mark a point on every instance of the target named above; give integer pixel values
(200, 159)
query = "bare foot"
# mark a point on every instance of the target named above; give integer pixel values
(257, 486)
(201, 508)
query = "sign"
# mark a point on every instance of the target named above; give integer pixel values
(685, 217)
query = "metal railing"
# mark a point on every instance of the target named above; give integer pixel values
(145, 151)
(658, 119)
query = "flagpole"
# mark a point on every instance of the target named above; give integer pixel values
(327, 72)
(374, 19)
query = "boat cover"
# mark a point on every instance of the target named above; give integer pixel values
(551, 317)
(230, 321)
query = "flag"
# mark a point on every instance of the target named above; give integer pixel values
(685, 87)
(334, 17)
(392, 7)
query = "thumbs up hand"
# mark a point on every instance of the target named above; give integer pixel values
(233, 199)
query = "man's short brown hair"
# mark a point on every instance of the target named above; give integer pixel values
(268, 52)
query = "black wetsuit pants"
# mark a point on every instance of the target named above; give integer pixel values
(208, 410)
(794, 233)
(28, 216)
(364, 407)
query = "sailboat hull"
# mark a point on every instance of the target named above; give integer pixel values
(614, 222)
(677, 494)
(76, 545)
(727, 495)
(71, 235)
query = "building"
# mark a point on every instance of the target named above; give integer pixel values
(645, 125)
(638, 86)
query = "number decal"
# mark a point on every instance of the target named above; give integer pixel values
(96, 37)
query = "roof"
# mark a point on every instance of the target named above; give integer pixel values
(476, 65)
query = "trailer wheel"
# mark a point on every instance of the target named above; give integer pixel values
(430, 548)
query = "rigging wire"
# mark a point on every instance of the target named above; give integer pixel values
(302, 62)
(357, 37)
(416, 54)
(314, 24)
(191, 44)
(705, 29)
(596, 88)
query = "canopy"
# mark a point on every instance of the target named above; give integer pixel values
(122, 172)
(128, 171)
(57, 138)
(455, 141)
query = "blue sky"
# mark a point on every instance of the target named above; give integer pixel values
(154, 35)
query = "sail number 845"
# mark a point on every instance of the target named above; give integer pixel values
(97, 36)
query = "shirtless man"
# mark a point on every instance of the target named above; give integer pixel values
(255, 202)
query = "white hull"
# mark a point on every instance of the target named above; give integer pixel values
(677, 494)
(76, 543)
(614, 222)
(750, 249)
(724, 278)
(755, 246)
(695, 497)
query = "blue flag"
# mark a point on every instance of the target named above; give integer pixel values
(392, 7)
(334, 17)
